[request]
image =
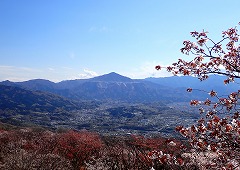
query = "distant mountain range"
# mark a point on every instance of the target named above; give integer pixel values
(116, 87)
(214, 82)
(108, 103)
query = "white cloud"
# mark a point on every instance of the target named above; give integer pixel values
(88, 74)
(147, 69)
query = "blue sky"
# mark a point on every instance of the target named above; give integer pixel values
(72, 39)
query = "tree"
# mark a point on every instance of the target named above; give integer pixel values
(78, 147)
(213, 132)
(29, 149)
(161, 153)
(119, 153)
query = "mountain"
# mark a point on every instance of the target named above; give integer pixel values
(111, 86)
(112, 77)
(104, 88)
(116, 87)
(214, 82)
(36, 84)
(21, 100)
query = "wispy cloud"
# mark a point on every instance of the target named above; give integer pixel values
(51, 69)
(18, 73)
(55, 74)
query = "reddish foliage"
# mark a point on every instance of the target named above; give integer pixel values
(29, 149)
(78, 147)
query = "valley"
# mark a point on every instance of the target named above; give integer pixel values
(110, 104)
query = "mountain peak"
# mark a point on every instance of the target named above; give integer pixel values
(7, 83)
(112, 77)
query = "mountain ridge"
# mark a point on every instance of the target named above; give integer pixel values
(114, 86)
